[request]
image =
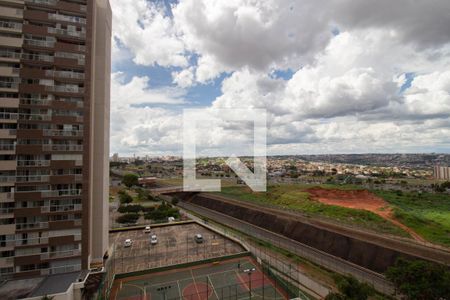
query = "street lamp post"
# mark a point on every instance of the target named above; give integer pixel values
(250, 272)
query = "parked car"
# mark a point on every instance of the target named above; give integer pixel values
(153, 239)
(198, 238)
(128, 243)
(171, 219)
(147, 229)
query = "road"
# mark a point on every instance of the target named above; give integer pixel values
(321, 258)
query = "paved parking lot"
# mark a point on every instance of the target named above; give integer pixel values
(175, 245)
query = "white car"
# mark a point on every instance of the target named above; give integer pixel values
(153, 239)
(128, 243)
(147, 229)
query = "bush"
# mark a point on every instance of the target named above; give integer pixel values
(128, 218)
(350, 289)
(163, 212)
(418, 279)
(124, 198)
(130, 208)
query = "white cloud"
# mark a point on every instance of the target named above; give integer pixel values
(150, 35)
(344, 95)
(137, 92)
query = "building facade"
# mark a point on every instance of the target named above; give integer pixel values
(441, 173)
(54, 135)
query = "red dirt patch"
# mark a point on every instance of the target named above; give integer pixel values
(359, 199)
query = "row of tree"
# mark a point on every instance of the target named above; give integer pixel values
(413, 280)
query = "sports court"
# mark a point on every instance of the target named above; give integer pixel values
(218, 280)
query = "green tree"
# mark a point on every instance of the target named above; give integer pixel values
(421, 280)
(127, 218)
(125, 198)
(130, 179)
(350, 289)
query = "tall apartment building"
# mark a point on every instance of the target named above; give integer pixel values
(441, 173)
(54, 135)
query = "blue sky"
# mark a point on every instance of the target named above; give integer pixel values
(333, 78)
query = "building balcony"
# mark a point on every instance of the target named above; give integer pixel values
(33, 163)
(35, 117)
(9, 71)
(11, 26)
(14, 56)
(63, 133)
(33, 178)
(64, 18)
(60, 254)
(8, 229)
(61, 208)
(35, 101)
(61, 193)
(8, 116)
(67, 33)
(32, 241)
(6, 197)
(7, 148)
(9, 85)
(31, 226)
(8, 210)
(64, 89)
(39, 43)
(38, 57)
(54, 147)
(42, 2)
(7, 179)
(7, 133)
(64, 74)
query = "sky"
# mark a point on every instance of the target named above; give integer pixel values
(335, 76)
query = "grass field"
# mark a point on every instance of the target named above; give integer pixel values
(428, 214)
(296, 198)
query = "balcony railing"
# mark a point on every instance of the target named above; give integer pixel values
(57, 254)
(9, 85)
(35, 117)
(67, 133)
(35, 101)
(10, 243)
(9, 116)
(54, 147)
(43, 2)
(4, 179)
(37, 57)
(8, 210)
(7, 147)
(10, 54)
(59, 208)
(33, 163)
(10, 25)
(39, 43)
(33, 178)
(64, 89)
(32, 241)
(78, 34)
(59, 193)
(64, 74)
(25, 226)
(6, 196)
(73, 19)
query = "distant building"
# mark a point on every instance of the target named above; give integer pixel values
(115, 157)
(441, 173)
